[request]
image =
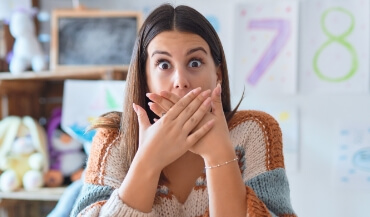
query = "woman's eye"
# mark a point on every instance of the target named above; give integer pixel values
(164, 65)
(195, 63)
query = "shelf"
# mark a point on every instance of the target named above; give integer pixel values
(83, 73)
(43, 194)
(34, 94)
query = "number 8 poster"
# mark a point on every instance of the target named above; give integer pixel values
(335, 46)
(266, 47)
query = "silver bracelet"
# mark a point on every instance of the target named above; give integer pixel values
(218, 165)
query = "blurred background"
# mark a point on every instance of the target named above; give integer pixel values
(305, 62)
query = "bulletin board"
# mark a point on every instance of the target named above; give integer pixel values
(93, 38)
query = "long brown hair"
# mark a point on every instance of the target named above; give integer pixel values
(164, 18)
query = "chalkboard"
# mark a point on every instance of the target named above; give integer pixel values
(91, 38)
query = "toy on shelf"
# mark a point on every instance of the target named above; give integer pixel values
(27, 51)
(66, 154)
(23, 154)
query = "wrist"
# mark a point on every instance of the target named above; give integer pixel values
(218, 156)
(142, 163)
(221, 164)
(141, 177)
(139, 170)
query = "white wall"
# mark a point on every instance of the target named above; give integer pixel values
(312, 188)
(313, 193)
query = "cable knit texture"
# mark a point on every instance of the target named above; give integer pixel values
(257, 140)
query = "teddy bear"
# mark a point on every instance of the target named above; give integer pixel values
(67, 158)
(23, 154)
(27, 50)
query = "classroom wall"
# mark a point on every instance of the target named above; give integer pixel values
(320, 119)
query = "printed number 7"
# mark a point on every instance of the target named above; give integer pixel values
(283, 32)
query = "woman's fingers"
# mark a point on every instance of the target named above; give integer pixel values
(163, 102)
(198, 115)
(183, 103)
(142, 117)
(198, 134)
(193, 107)
(186, 108)
(158, 110)
(170, 96)
(217, 101)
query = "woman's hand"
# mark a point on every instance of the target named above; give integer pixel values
(170, 137)
(215, 146)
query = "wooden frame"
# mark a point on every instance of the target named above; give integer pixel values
(88, 15)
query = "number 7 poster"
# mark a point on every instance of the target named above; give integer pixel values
(335, 46)
(266, 47)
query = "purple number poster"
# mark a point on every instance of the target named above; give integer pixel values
(266, 47)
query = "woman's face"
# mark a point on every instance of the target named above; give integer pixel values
(179, 62)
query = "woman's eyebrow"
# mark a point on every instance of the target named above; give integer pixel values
(188, 53)
(195, 50)
(161, 52)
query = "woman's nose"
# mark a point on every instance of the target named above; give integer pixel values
(181, 79)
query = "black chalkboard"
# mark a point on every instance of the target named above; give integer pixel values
(103, 39)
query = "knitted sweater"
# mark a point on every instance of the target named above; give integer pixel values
(257, 139)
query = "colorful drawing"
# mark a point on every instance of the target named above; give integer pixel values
(340, 39)
(352, 158)
(265, 47)
(94, 98)
(80, 132)
(361, 159)
(283, 31)
(335, 47)
(106, 100)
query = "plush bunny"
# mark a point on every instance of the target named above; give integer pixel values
(27, 50)
(23, 154)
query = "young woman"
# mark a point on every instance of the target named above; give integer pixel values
(178, 149)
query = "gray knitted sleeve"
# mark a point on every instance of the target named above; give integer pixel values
(273, 189)
(97, 200)
(89, 195)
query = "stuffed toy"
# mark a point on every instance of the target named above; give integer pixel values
(70, 194)
(67, 158)
(23, 154)
(27, 50)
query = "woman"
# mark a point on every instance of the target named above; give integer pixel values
(179, 149)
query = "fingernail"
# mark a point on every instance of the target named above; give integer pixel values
(134, 107)
(197, 90)
(207, 102)
(205, 93)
